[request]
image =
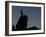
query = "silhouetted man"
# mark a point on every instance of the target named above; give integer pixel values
(22, 22)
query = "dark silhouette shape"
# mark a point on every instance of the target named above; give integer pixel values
(21, 12)
(13, 28)
(22, 22)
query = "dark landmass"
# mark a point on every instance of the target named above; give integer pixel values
(31, 28)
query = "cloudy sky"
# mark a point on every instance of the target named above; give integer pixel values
(33, 13)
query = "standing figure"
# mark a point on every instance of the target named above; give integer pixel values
(22, 22)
